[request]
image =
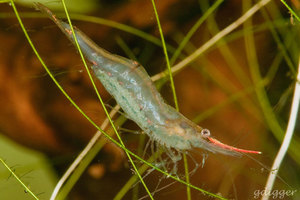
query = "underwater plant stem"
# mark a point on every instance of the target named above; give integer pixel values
(19, 180)
(187, 178)
(214, 39)
(291, 10)
(133, 179)
(82, 155)
(194, 28)
(101, 101)
(166, 55)
(287, 138)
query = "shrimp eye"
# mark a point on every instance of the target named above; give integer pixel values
(205, 133)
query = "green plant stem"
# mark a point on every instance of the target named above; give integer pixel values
(101, 101)
(74, 172)
(134, 179)
(195, 27)
(278, 41)
(19, 180)
(166, 55)
(260, 91)
(142, 140)
(225, 50)
(291, 10)
(173, 91)
(191, 58)
(187, 176)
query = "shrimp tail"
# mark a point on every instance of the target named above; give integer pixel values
(48, 12)
(64, 27)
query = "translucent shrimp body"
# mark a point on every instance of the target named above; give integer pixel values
(130, 85)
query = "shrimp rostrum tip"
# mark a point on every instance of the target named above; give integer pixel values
(128, 82)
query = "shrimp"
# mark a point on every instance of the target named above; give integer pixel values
(128, 82)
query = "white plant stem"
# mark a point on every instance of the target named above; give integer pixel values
(82, 155)
(287, 139)
(214, 39)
